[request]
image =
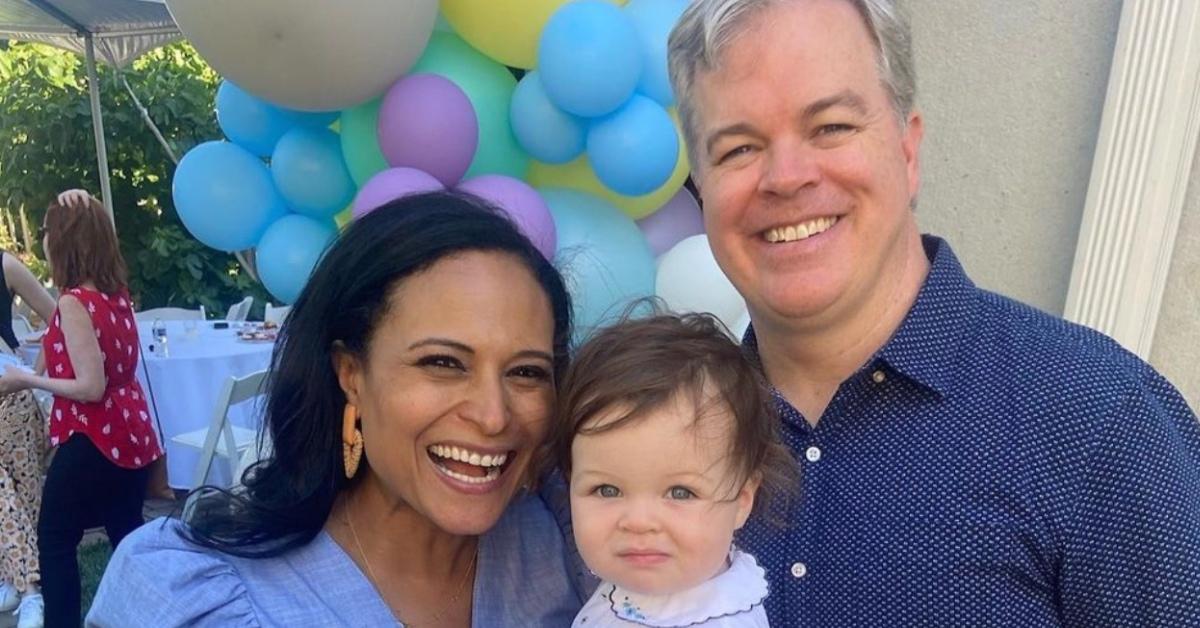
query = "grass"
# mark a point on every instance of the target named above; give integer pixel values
(93, 558)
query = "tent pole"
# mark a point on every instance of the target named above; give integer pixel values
(148, 120)
(245, 258)
(98, 126)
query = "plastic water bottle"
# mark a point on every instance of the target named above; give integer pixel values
(158, 329)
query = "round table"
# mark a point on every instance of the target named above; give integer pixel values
(182, 387)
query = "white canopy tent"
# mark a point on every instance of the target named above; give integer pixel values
(117, 30)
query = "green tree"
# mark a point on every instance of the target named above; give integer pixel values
(46, 145)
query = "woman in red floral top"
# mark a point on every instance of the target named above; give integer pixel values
(100, 422)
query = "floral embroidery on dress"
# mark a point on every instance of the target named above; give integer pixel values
(629, 610)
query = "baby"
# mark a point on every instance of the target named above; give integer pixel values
(666, 435)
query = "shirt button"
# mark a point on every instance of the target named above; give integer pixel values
(799, 570)
(878, 377)
(813, 454)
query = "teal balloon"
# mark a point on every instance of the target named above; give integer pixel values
(360, 142)
(603, 256)
(441, 25)
(310, 173)
(225, 196)
(489, 86)
(289, 251)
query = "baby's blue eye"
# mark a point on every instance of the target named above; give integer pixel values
(679, 492)
(607, 490)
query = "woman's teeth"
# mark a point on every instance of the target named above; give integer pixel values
(467, 456)
(492, 474)
(489, 464)
(800, 231)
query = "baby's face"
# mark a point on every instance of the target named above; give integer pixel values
(653, 502)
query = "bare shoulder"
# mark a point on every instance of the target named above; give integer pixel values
(69, 302)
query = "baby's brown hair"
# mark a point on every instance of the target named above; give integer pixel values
(641, 364)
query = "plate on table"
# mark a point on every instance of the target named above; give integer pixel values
(257, 334)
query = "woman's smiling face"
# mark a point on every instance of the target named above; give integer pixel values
(456, 388)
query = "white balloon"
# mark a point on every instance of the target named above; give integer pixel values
(313, 55)
(689, 280)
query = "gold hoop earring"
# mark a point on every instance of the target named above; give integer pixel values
(352, 454)
(352, 442)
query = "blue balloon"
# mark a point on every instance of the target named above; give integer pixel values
(589, 58)
(257, 125)
(225, 196)
(634, 150)
(653, 21)
(602, 255)
(546, 132)
(289, 251)
(310, 172)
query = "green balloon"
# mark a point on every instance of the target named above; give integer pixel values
(489, 87)
(360, 142)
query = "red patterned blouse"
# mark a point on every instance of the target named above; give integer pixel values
(119, 423)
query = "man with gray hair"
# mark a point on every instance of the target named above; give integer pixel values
(966, 460)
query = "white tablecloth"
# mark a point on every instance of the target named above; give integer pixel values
(183, 387)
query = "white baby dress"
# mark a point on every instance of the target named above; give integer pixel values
(732, 599)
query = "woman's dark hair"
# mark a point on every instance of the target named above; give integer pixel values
(645, 362)
(288, 496)
(83, 245)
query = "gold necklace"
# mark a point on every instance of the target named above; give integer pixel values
(375, 581)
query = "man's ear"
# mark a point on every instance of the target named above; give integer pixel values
(910, 143)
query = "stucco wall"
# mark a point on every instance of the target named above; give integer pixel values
(1012, 94)
(1176, 350)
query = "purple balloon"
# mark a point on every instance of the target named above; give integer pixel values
(679, 218)
(390, 185)
(522, 203)
(426, 122)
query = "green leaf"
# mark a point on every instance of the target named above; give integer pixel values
(46, 145)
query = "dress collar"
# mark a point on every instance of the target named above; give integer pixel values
(739, 589)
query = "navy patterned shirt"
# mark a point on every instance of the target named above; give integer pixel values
(991, 466)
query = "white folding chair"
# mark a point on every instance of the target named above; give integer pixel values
(169, 314)
(240, 310)
(30, 340)
(276, 314)
(262, 448)
(21, 327)
(222, 438)
(21, 307)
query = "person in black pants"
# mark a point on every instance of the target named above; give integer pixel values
(113, 499)
(100, 422)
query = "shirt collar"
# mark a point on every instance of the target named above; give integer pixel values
(925, 347)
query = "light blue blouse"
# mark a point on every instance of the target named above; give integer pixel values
(157, 578)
